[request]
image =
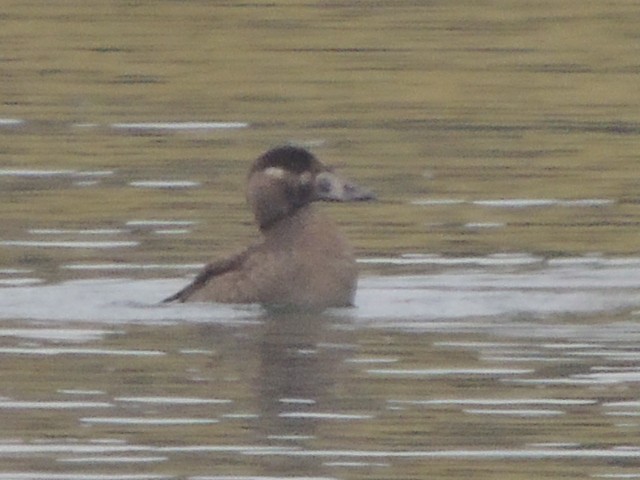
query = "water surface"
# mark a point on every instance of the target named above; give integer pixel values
(496, 327)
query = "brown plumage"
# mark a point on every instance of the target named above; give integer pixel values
(303, 260)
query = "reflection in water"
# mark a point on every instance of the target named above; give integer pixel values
(306, 395)
(296, 379)
(395, 384)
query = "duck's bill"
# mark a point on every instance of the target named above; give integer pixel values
(333, 188)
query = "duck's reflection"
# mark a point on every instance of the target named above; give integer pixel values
(290, 366)
(299, 365)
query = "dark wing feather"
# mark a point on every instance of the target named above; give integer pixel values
(212, 270)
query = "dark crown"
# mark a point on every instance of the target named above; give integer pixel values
(290, 158)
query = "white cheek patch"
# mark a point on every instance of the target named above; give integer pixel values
(275, 172)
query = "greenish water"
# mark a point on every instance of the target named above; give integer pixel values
(460, 101)
(495, 332)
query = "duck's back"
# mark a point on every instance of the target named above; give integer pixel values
(303, 262)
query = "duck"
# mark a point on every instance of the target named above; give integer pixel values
(303, 261)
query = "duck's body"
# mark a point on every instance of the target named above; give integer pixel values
(303, 261)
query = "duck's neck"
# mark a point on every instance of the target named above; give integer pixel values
(293, 221)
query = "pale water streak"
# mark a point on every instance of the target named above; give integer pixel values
(160, 223)
(179, 125)
(62, 231)
(79, 476)
(172, 400)
(175, 231)
(454, 293)
(92, 352)
(15, 282)
(68, 244)
(160, 422)
(56, 334)
(112, 459)
(258, 477)
(467, 454)
(35, 173)
(131, 266)
(4, 122)
(518, 202)
(164, 184)
(19, 405)
(324, 416)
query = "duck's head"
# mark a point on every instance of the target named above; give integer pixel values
(287, 178)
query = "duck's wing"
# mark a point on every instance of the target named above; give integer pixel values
(209, 272)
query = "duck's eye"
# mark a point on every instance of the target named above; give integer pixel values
(305, 179)
(324, 185)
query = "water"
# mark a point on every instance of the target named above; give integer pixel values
(496, 327)
(474, 366)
